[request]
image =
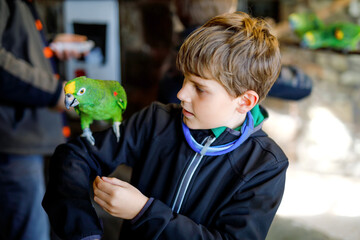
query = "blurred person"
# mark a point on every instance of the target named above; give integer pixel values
(31, 122)
(192, 14)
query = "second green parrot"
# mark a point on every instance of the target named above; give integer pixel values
(303, 22)
(340, 36)
(315, 34)
(95, 99)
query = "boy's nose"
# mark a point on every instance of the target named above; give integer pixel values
(182, 95)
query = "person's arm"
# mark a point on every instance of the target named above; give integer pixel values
(23, 84)
(20, 82)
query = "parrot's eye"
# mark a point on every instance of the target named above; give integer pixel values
(81, 91)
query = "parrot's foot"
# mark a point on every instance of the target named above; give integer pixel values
(88, 135)
(116, 129)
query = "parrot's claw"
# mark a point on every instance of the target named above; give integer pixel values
(116, 129)
(88, 135)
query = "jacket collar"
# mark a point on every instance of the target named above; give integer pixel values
(228, 136)
(207, 149)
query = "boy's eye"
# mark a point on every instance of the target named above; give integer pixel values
(198, 89)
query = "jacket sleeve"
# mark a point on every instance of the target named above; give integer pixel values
(21, 83)
(247, 216)
(75, 165)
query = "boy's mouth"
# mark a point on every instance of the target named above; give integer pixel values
(187, 113)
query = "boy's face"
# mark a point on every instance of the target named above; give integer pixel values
(206, 104)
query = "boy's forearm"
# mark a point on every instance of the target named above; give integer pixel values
(67, 201)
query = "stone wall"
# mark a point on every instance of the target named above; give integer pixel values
(321, 132)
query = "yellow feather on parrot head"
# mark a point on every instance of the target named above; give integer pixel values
(70, 88)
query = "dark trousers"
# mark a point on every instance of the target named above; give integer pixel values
(21, 191)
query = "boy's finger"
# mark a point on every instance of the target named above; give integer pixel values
(101, 194)
(100, 188)
(106, 187)
(96, 181)
(114, 181)
(102, 204)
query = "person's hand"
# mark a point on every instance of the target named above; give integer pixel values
(68, 38)
(60, 105)
(118, 198)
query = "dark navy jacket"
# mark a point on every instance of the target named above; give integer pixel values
(231, 196)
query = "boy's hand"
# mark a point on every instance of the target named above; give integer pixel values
(118, 198)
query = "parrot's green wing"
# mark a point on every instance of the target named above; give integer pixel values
(77, 110)
(122, 104)
(345, 36)
(120, 95)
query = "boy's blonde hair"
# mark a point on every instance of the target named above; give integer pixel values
(236, 50)
(198, 12)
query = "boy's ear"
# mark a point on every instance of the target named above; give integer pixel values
(247, 101)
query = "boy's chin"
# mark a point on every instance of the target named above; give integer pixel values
(193, 124)
(190, 123)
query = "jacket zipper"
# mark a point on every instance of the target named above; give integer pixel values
(188, 175)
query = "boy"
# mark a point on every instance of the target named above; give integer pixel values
(202, 170)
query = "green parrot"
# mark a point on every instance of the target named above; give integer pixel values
(340, 36)
(95, 99)
(303, 22)
(315, 34)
